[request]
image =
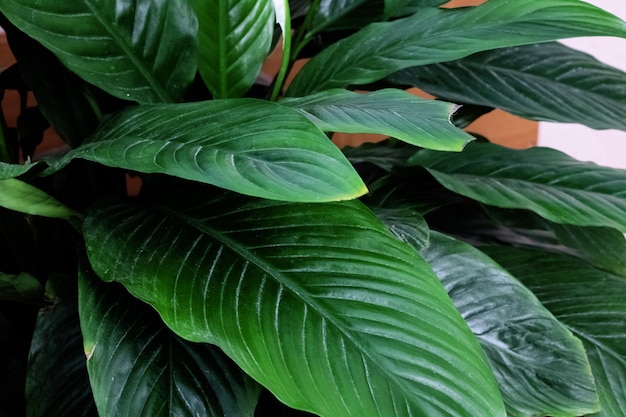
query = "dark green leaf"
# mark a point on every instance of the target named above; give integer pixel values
(381, 154)
(602, 247)
(142, 50)
(545, 181)
(8, 171)
(57, 384)
(390, 112)
(591, 303)
(138, 367)
(23, 197)
(318, 302)
(540, 366)
(540, 82)
(20, 288)
(437, 35)
(345, 14)
(395, 8)
(235, 37)
(406, 224)
(250, 146)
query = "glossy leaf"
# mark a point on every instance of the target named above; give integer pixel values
(250, 146)
(8, 171)
(591, 303)
(23, 197)
(540, 82)
(317, 302)
(437, 35)
(534, 357)
(142, 50)
(395, 8)
(343, 14)
(545, 181)
(406, 224)
(57, 383)
(20, 288)
(138, 367)
(380, 154)
(602, 247)
(234, 38)
(395, 113)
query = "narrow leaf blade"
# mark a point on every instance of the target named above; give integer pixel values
(534, 357)
(437, 35)
(545, 181)
(142, 50)
(235, 37)
(25, 198)
(250, 146)
(540, 82)
(395, 113)
(303, 299)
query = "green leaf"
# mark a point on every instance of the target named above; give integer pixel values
(317, 302)
(20, 288)
(540, 82)
(540, 366)
(588, 301)
(406, 224)
(250, 146)
(57, 383)
(25, 198)
(395, 8)
(600, 246)
(545, 181)
(381, 154)
(437, 35)
(142, 50)
(341, 14)
(390, 112)
(138, 367)
(8, 171)
(234, 37)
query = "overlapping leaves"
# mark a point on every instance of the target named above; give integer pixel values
(545, 181)
(437, 35)
(142, 50)
(591, 303)
(302, 297)
(540, 366)
(138, 367)
(542, 82)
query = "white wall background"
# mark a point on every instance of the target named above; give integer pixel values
(605, 147)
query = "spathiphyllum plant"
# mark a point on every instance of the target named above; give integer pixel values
(263, 271)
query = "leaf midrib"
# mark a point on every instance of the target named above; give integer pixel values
(129, 53)
(282, 279)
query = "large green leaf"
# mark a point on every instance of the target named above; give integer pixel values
(142, 50)
(591, 303)
(545, 181)
(318, 302)
(8, 171)
(138, 367)
(250, 146)
(540, 366)
(390, 112)
(20, 288)
(406, 224)
(23, 197)
(57, 383)
(437, 35)
(541, 82)
(234, 39)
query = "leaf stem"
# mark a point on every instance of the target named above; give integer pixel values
(286, 59)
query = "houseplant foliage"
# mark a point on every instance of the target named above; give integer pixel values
(263, 271)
